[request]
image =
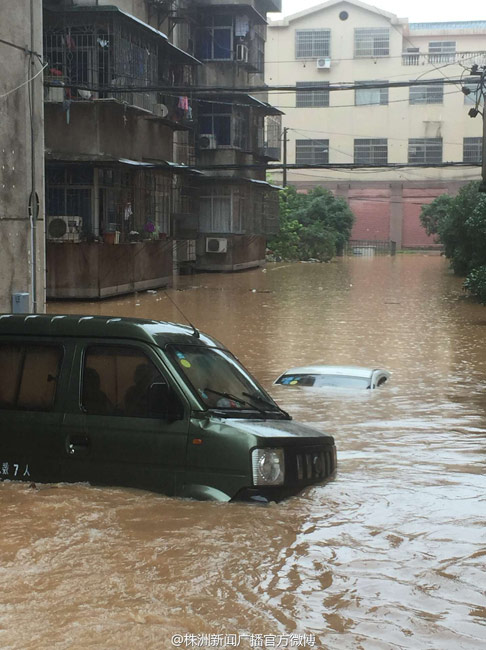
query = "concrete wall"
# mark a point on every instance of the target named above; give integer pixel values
(22, 150)
(244, 252)
(85, 271)
(106, 127)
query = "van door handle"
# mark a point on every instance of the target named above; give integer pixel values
(77, 444)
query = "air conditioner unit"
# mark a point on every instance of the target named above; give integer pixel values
(242, 52)
(160, 110)
(54, 93)
(64, 228)
(216, 244)
(207, 141)
(323, 63)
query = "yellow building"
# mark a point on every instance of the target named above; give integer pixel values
(352, 42)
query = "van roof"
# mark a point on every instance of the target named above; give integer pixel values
(73, 325)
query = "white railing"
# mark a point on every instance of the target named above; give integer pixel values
(466, 58)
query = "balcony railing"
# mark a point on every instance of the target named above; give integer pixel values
(467, 58)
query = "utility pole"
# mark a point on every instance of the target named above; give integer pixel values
(474, 112)
(284, 169)
(482, 93)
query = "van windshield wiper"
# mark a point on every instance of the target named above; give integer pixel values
(262, 400)
(235, 399)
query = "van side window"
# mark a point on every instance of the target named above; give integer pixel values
(28, 378)
(117, 380)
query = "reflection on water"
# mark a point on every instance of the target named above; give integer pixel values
(390, 554)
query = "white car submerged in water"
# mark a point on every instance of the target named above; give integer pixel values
(335, 376)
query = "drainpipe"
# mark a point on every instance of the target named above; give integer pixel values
(33, 208)
(284, 171)
(482, 187)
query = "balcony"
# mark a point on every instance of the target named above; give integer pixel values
(100, 52)
(464, 58)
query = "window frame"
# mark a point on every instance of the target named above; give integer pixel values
(311, 98)
(211, 34)
(427, 144)
(311, 144)
(424, 95)
(471, 143)
(116, 346)
(238, 127)
(381, 92)
(313, 48)
(24, 347)
(377, 152)
(367, 42)
(209, 227)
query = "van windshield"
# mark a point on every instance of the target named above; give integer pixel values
(219, 380)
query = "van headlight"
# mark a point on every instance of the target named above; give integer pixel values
(268, 466)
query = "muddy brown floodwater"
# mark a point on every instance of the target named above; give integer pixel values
(390, 554)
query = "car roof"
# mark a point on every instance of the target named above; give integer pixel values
(348, 371)
(75, 325)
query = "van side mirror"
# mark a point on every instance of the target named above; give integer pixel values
(164, 403)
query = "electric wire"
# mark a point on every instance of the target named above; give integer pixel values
(24, 83)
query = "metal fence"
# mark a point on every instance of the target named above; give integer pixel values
(369, 248)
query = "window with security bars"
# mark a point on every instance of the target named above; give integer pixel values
(425, 150)
(433, 94)
(311, 98)
(442, 51)
(472, 150)
(311, 152)
(371, 42)
(370, 96)
(216, 211)
(312, 43)
(371, 151)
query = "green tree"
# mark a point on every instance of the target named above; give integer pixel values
(460, 225)
(314, 225)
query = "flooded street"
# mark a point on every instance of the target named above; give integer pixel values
(389, 554)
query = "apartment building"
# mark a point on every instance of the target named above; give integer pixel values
(147, 172)
(237, 133)
(356, 43)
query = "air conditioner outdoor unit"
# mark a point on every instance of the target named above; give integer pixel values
(242, 52)
(323, 63)
(64, 228)
(216, 244)
(207, 141)
(55, 93)
(160, 110)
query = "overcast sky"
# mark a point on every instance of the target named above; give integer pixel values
(417, 11)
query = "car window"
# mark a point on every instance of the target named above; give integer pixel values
(338, 381)
(117, 380)
(28, 380)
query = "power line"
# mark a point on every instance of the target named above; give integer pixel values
(207, 91)
(335, 166)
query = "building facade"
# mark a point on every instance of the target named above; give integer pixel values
(22, 237)
(237, 133)
(351, 42)
(149, 171)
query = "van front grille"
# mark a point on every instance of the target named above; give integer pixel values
(310, 464)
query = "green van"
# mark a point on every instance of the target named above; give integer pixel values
(145, 404)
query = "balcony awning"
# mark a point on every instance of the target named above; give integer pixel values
(103, 159)
(239, 98)
(234, 8)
